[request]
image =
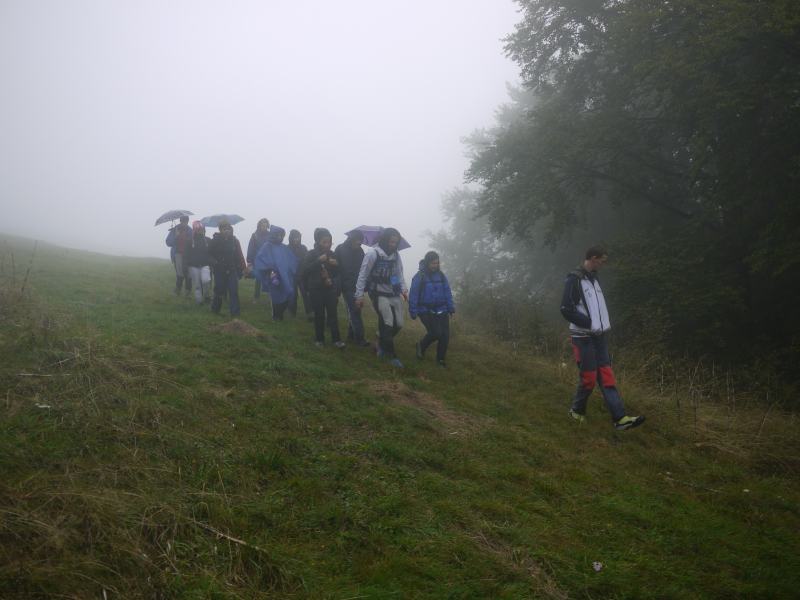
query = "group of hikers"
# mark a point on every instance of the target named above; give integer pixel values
(317, 277)
(293, 274)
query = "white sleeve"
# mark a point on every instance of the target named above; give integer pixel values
(363, 274)
(403, 285)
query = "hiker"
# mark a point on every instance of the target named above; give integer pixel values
(431, 300)
(257, 239)
(381, 277)
(350, 256)
(275, 270)
(300, 251)
(229, 266)
(584, 306)
(198, 260)
(321, 278)
(179, 239)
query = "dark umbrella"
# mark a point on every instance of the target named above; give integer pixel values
(372, 234)
(214, 220)
(172, 215)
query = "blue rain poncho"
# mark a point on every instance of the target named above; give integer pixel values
(275, 258)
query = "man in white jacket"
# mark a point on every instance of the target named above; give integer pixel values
(381, 277)
(584, 306)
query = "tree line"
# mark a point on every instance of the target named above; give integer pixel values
(670, 131)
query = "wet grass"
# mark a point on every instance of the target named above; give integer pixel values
(148, 452)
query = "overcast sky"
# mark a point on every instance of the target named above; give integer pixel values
(310, 114)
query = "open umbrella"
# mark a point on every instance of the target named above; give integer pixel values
(214, 220)
(373, 232)
(171, 215)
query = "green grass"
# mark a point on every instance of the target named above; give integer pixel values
(167, 459)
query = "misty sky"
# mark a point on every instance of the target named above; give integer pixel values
(310, 114)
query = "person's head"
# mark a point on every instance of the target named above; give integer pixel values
(595, 257)
(389, 240)
(184, 220)
(276, 234)
(355, 238)
(295, 237)
(262, 226)
(198, 228)
(323, 239)
(225, 229)
(431, 262)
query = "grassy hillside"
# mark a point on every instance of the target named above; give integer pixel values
(150, 449)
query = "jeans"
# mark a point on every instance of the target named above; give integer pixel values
(324, 303)
(438, 328)
(181, 274)
(355, 325)
(226, 284)
(390, 321)
(201, 280)
(591, 355)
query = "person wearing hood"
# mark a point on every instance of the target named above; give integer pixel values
(275, 269)
(226, 257)
(299, 250)
(431, 300)
(381, 277)
(350, 256)
(320, 273)
(198, 260)
(257, 239)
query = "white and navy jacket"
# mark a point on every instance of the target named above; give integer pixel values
(584, 305)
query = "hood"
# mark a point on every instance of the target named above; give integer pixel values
(276, 234)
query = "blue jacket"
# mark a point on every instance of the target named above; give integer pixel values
(430, 293)
(275, 256)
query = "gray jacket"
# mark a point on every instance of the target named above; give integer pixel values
(366, 278)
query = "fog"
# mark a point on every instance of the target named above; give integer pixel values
(311, 114)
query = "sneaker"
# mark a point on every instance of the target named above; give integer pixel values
(577, 416)
(319, 344)
(627, 422)
(395, 362)
(340, 345)
(441, 363)
(363, 343)
(420, 353)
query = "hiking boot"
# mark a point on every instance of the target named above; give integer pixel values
(340, 345)
(395, 362)
(420, 353)
(577, 416)
(627, 422)
(441, 363)
(363, 343)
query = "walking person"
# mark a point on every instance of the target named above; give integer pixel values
(299, 250)
(275, 270)
(321, 277)
(228, 263)
(381, 278)
(198, 260)
(431, 300)
(179, 239)
(350, 255)
(584, 306)
(257, 239)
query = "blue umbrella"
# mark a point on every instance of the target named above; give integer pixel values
(171, 215)
(214, 220)
(372, 234)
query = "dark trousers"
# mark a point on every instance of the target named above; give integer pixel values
(324, 303)
(278, 308)
(257, 292)
(594, 363)
(438, 328)
(299, 290)
(226, 284)
(355, 325)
